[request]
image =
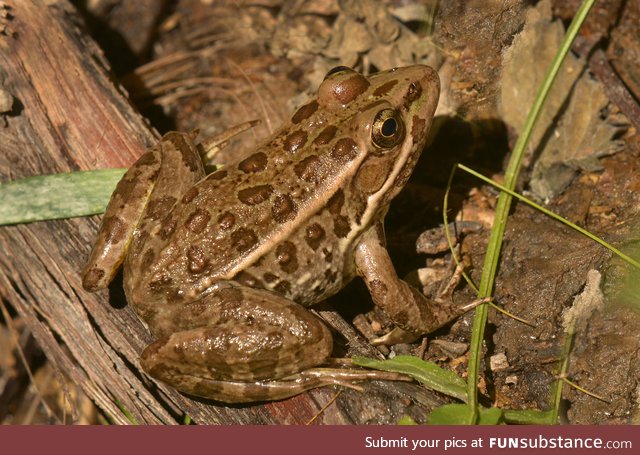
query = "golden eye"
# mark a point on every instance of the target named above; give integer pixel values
(388, 129)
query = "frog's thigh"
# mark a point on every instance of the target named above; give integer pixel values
(153, 183)
(404, 304)
(236, 334)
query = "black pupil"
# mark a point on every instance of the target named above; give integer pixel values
(389, 127)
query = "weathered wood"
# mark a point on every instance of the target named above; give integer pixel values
(68, 115)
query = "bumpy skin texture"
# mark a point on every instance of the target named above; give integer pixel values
(220, 267)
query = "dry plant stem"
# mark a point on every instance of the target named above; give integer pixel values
(25, 363)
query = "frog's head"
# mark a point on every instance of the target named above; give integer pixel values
(388, 115)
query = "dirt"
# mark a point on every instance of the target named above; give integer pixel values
(186, 68)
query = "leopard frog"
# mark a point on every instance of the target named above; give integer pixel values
(221, 267)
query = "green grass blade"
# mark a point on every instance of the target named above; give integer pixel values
(427, 373)
(406, 420)
(528, 417)
(504, 203)
(449, 414)
(459, 414)
(51, 197)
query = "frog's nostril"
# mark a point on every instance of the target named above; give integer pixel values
(414, 91)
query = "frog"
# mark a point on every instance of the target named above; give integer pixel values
(222, 268)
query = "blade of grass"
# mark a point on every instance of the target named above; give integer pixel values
(51, 197)
(504, 203)
(427, 373)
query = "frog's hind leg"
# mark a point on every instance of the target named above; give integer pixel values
(224, 345)
(146, 191)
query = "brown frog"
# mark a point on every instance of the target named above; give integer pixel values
(221, 267)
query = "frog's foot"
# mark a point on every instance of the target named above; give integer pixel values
(247, 392)
(235, 334)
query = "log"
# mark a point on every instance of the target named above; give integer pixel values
(67, 115)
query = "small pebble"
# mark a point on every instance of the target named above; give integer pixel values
(498, 362)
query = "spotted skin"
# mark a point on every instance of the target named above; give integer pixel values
(221, 267)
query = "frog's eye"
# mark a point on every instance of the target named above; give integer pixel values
(336, 69)
(388, 129)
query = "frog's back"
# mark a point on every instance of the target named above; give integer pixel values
(281, 210)
(286, 217)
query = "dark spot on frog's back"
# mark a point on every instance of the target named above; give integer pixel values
(307, 169)
(345, 149)
(159, 208)
(314, 235)
(226, 220)
(114, 229)
(139, 241)
(167, 228)
(190, 195)
(243, 239)
(269, 277)
(283, 287)
(283, 208)
(351, 88)
(341, 226)
(304, 112)
(255, 195)
(246, 279)
(336, 202)
(198, 221)
(385, 88)
(127, 186)
(255, 163)
(286, 255)
(417, 129)
(218, 175)
(326, 135)
(198, 260)
(295, 141)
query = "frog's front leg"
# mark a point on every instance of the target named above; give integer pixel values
(410, 310)
(235, 342)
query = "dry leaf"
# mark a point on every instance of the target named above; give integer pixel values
(573, 129)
